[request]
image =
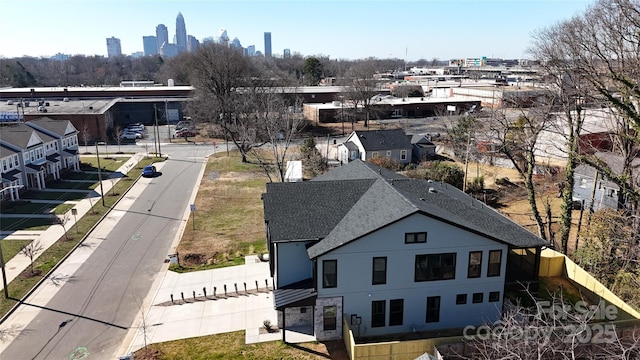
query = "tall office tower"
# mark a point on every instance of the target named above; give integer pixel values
(181, 34)
(267, 44)
(192, 43)
(162, 36)
(113, 47)
(149, 45)
(251, 50)
(223, 38)
(235, 43)
(287, 53)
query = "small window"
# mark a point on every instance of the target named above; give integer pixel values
(374, 154)
(433, 309)
(495, 263)
(475, 264)
(477, 297)
(379, 271)
(378, 313)
(413, 238)
(303, 310)
(396, 312)
(329, 273)
(494, 296)
(461, 299)
(329, 317)
(388, 153)
(403, 154)
(583, 183)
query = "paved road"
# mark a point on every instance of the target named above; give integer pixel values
(92, 312)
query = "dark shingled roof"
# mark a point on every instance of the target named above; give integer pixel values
(376, 140)
(58, 127)
(358, 198)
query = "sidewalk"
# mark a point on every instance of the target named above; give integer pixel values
(48, 237)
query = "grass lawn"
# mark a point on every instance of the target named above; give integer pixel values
(88, 185)
(231, 228)
(12, 247)
(111, 164)
(13, 224)
(53, 195)
(232, 346)
(81, 176)
(52, 256)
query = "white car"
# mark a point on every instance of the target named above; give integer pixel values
(129, 135)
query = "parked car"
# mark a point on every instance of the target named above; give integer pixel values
(130, 135)
(185, 133)
(149, 171)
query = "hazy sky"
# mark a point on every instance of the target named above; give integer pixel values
(339, 29)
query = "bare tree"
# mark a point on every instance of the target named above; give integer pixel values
(85, 135)
(518, 141)
(62, 221)
(362, 87)
(117, 132)
(281, 125)
(31, 251)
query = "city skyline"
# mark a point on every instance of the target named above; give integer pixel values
(408, 30)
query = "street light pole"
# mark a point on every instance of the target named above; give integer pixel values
(4, 275)
(342, 113)
(100, 173)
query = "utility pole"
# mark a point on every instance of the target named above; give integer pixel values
(4, 275)
(166, 117)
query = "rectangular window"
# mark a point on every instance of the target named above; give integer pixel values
(583, 183)
(475, 264)
(477, 298)
(33, 155)
(374, 154)
(461, 299)
(25, 156)
(388, 153)
(495, 263)
(16, 161)
(396, 312)
(329, 273)
(494, 296)
(4, 164)
(378, 313)
(329, 314)
(417, 237)
(403, 154)
(379, 270)
(433, 309)
(435, 267)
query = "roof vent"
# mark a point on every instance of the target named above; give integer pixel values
(432, 190)
(429, 181)
(421, 199)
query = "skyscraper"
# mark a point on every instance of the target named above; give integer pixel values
(149, 45)
(181, 33)
(223, 38)
(192, 43)
(286, 53)
(162, 36)
(267, 44)
(113, 47)
(235, 43)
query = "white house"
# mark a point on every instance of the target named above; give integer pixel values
(364, 145)
(389, 254)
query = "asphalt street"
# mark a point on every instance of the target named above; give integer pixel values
(95, 307)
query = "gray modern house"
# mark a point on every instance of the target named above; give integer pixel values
(389, 254)
(365, 145)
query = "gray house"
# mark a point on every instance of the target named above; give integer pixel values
(591, 187)
(389, 254)
(423, 148)
(368, 144)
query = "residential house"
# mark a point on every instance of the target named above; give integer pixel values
(591, 187)
(389, 254)
(368, 144)
(10, 173)
(22, 138)
(62, 150)
(423, 148)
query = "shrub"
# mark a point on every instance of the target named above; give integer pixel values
(386, 162)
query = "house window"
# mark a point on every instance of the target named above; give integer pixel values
(461, 299)
(56, 145)
(477, 297)
(374, 154)
(583, 183)
(435, 267)
(329, 273)
(494, 296)
(15, 160)
(33, 155)
(433, 309)
(4, 164)
(412, 238)
(396, 312)
(495, 263)
(475, 264)
(388, 153)
(378, 313)
(379, 270)
(329, 314)
(403, 154)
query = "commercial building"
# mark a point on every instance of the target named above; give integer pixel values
(150, 45)
(113, 47)
(181, 34)
(162, 36)
(267, 44)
